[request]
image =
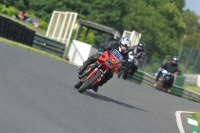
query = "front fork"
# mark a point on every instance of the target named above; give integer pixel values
(99, 79)
(93, 72)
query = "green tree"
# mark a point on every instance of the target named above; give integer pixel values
(191, 36)
(158, 31)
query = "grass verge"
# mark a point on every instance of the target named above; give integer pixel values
(193, 88)
(30, 49)
(197, 117)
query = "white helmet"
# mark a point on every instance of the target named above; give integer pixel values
(125, 42)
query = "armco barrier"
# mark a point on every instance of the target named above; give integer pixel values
(138, 77)
(149, 80)
(48, 45)
(179, 80)
(191, 95)
(177, 90)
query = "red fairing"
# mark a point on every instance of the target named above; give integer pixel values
(106, 58)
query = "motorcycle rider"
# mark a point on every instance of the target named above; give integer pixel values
(122, 46)
(172, 67)
(138, 53)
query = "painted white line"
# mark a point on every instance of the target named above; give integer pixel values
(179, 121)
(192, 122)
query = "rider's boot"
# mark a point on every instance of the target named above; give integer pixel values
(96, 88)
(82, 69)
(168, 90)
(155, 84)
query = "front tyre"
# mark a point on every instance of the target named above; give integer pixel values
(159, 85)
(78, 84)
(121, 74)
(88, 84)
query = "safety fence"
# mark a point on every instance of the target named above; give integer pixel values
(16, 32)
(177, 89)
(48, 45)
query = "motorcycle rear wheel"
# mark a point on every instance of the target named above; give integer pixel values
(86, 85)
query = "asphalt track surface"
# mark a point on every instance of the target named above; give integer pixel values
(37, 95)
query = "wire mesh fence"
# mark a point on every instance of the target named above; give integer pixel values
(189, 62)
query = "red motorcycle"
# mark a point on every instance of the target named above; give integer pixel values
(108, 61)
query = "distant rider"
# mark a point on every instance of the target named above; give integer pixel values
(172, 67)
(138, 52)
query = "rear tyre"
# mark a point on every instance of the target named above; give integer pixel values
(88, 84)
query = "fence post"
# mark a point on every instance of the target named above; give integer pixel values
(188, 60)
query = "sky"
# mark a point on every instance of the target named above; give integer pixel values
(193, 5)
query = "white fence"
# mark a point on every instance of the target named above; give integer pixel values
(61, 26)
(79, 52)
(193, 79)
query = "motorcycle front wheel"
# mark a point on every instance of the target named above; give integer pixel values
(78, 84)
(159, 85)
(86, 85)
(121, 75)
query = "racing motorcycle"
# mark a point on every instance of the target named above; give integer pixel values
(125, 71)
(108, 61)
(162, 83)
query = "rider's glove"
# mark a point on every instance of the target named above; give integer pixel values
(100, 51)
(176, 73)
(136, 62)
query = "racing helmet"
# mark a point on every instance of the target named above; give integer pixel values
(125, 42)
(141, 44)
(175, 59)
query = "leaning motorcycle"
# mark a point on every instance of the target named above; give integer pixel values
(163, 80)
(125, 70)
(108, 61)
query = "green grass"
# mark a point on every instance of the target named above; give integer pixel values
(40, 31)
(193, 88)
(30, 49)
(197, 117)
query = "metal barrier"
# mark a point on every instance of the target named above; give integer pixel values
(138, 77)
(177, 90)
(188, 94)
(48, 45)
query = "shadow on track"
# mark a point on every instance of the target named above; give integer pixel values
(104, 98)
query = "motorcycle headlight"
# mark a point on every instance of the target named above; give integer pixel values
(109, 63)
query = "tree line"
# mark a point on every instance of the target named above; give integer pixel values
(164, 25)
